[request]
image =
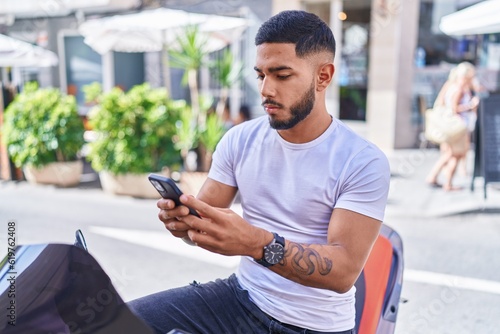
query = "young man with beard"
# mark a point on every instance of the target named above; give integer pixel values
(313, 195)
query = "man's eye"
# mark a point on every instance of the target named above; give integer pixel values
(260, 77)
(283, 77)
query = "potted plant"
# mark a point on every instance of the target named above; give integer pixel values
(134, 137)
(44, 135)
(186, 138)
(227, 72)
(190, 53)
(208, 138)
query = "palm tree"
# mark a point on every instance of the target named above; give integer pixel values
(227, 73)
(190, 55)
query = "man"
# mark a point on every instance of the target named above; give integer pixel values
(313, 195)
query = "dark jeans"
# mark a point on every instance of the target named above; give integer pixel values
(215, 307)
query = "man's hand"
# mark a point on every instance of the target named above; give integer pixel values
(172, 216)
(220, 230)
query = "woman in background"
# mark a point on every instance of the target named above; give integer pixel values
(456, 94)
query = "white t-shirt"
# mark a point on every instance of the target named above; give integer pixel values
(291, 189)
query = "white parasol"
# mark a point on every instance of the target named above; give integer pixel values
(17, 53)
(152, 30)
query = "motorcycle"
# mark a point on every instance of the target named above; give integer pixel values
(61, 289)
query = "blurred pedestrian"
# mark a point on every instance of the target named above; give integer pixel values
(456, 94)
(243, 115)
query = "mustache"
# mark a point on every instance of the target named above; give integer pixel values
(274, 103)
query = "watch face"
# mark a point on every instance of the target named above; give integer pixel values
(274, 253)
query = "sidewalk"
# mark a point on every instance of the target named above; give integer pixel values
(410, 196)
(126, 238)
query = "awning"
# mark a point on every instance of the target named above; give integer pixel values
(478, 19)
(17, 53)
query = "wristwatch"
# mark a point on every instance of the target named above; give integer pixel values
(274, 252)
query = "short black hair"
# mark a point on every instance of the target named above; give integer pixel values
(307, 31)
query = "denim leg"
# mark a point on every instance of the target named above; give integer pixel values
(213, 307)
(220, 307)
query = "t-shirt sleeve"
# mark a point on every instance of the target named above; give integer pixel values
(366, 184)
(222, 168)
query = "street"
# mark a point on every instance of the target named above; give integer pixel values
(451, 282)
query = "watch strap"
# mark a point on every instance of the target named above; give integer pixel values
(279, 239)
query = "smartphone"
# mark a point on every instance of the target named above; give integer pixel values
(168, 189)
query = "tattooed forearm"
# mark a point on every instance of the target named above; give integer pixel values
(306, 260)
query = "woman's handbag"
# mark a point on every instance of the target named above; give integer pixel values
(442, 125)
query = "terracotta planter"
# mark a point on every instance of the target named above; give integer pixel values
(135, 185)
(62, 174)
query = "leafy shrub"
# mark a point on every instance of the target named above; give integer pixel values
(134, 129)
(41, 126)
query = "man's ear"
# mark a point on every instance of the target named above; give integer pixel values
(325, 76)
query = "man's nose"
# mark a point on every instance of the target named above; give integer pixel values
(267, 88)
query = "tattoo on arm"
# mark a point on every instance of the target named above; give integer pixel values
(306, 260)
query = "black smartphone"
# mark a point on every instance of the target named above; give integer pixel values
(168, 189)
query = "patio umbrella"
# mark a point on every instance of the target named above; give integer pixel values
(152, 30)
(157, 30)
(481, 18)
(17, 53)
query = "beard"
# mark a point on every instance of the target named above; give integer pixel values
(299, 111)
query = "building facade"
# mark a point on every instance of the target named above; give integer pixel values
(390, 54)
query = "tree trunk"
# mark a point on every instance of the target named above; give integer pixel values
(222, 101)
(195, 99)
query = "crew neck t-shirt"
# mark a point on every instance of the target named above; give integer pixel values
(292, 189)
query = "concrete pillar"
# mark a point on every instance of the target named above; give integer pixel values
(394, 32)
(281, 5)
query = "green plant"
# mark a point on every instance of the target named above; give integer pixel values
(212, 134)
(41, 126)
(190, 55)
(134, 129)
(227, 72)
(186, 136)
